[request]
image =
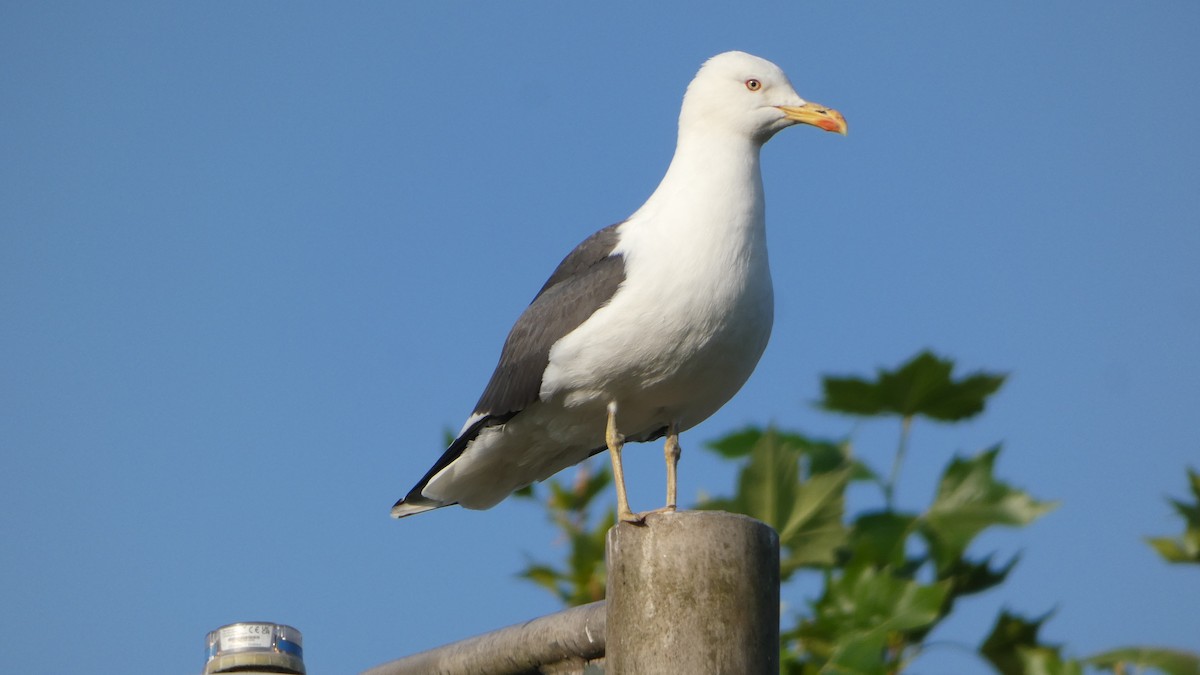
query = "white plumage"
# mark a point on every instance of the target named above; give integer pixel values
(677, 308)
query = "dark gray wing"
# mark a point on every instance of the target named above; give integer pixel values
(581, 284)
(589, 252)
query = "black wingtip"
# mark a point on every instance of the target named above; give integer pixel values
(415, 502)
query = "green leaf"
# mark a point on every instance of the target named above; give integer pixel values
(769, 482)
(970, 576)
(807, 513)
(1009, 637)
(819, 501)
(862, 610)
(738, 444)
(588, 573)
(860, 654)
(879, 538)
(1185, 548)
(592, 484)
(822, 454)
(966, 577)
(1047, 661)
(1192, 512)
(1169, 661)
(544, 576)
(790, 662)
(582, 579)
(922, 386)
(578, 496)
(970, 500)
(814, 531)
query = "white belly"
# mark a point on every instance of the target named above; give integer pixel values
(674, 345)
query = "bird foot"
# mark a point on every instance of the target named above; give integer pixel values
(631, 518)
(640, 518)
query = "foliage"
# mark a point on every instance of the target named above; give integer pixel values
(582, 579)
(1186, 548)
(921, 387)
(889, 576)
(803, 505)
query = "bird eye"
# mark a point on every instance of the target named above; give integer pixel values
(753, 84)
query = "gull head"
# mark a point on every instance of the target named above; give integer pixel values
(744, 95)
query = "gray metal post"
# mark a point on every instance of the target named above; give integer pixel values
(693, 592)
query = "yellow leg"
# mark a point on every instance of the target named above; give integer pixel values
(672, 451)
(615, 442)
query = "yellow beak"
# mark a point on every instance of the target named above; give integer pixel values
(816, 115)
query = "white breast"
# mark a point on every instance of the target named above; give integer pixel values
(686, 329)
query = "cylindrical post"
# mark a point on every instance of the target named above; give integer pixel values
(693, 592)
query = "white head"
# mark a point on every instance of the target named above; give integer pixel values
(741, 94)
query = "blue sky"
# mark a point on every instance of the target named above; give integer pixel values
(255, 258)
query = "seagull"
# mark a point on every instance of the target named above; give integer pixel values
(650, 325)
